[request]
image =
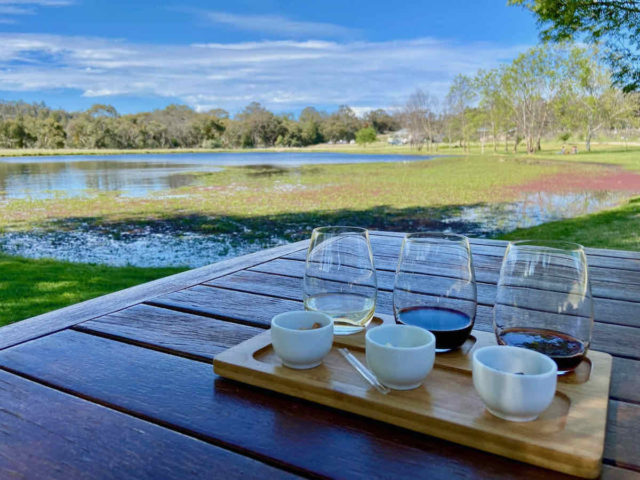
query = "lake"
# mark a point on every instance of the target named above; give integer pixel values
(137, 175)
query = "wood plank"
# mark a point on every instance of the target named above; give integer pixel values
(626, 418)
(617, 473)
(185, 395)
(257, 310)
(486, 294)
(49, 434)
(606, 310)
(590, 251)
(502, 244)
(65, 317)
(625, 381)
(487, 267)
(254, 310)
(194, 336)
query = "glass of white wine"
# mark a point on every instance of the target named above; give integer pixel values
(340, 278)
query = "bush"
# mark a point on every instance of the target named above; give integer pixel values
(564, 137)
(365, 135)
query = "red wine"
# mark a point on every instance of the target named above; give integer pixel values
(563, 349)
(450, 327)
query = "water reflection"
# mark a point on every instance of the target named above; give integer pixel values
(134, 179)
(534, 208)
(141, 174)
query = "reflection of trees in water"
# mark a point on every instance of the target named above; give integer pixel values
(35, 179)
(535, 208)
(540, 207)
(180, 180)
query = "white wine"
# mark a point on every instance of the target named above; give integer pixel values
(351, 312)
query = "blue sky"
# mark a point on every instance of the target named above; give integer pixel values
(140, 55)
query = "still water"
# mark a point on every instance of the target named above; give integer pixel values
(138, 175)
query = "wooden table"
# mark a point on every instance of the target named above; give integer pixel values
(122, 386)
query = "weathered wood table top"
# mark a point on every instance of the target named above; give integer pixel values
(122, 386)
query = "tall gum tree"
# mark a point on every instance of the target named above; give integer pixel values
(591, 102)
(531, 83)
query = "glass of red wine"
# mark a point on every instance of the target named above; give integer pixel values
(435, 287)
(543, 301)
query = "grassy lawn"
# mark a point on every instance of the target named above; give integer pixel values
(29, 287)
(618, 228)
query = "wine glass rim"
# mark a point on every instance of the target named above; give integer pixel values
(340, 229)
(436, 235)
(555, 244)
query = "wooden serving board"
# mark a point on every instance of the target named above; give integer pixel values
(567, 437)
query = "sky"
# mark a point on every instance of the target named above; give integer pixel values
(143, 55)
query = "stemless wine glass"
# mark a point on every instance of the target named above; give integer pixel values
(544, 300)
(340, 278)
(435, 287)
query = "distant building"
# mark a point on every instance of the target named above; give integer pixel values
(399, 137)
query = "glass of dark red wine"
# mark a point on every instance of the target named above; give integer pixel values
(543, 301)
(435, 287)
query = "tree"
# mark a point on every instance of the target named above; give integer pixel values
(365, 135)
(613, 23)
(310, 121)
(341, 125)
(459, 99)
(292, 134)
(531, 83)
(259, 125)
(381, 121)
(418, 118)
(590, 102)
(14, 134)
(493, 103)
(50, 133)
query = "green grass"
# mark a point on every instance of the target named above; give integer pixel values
(379, 147)
(29, 287)
(618, 228)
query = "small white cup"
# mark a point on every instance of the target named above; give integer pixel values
(401, 356)
(296, 343)
(516, 384)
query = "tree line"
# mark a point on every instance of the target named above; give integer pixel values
(24, 125)
(548, 92)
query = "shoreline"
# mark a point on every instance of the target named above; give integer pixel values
(550, 151)
(321, 148)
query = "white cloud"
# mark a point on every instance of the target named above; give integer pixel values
(13, 8)
(279, 26)
(283, 75)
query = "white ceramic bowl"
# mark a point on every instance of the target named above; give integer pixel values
(514, 383)
(401, 356)
(297, 345)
